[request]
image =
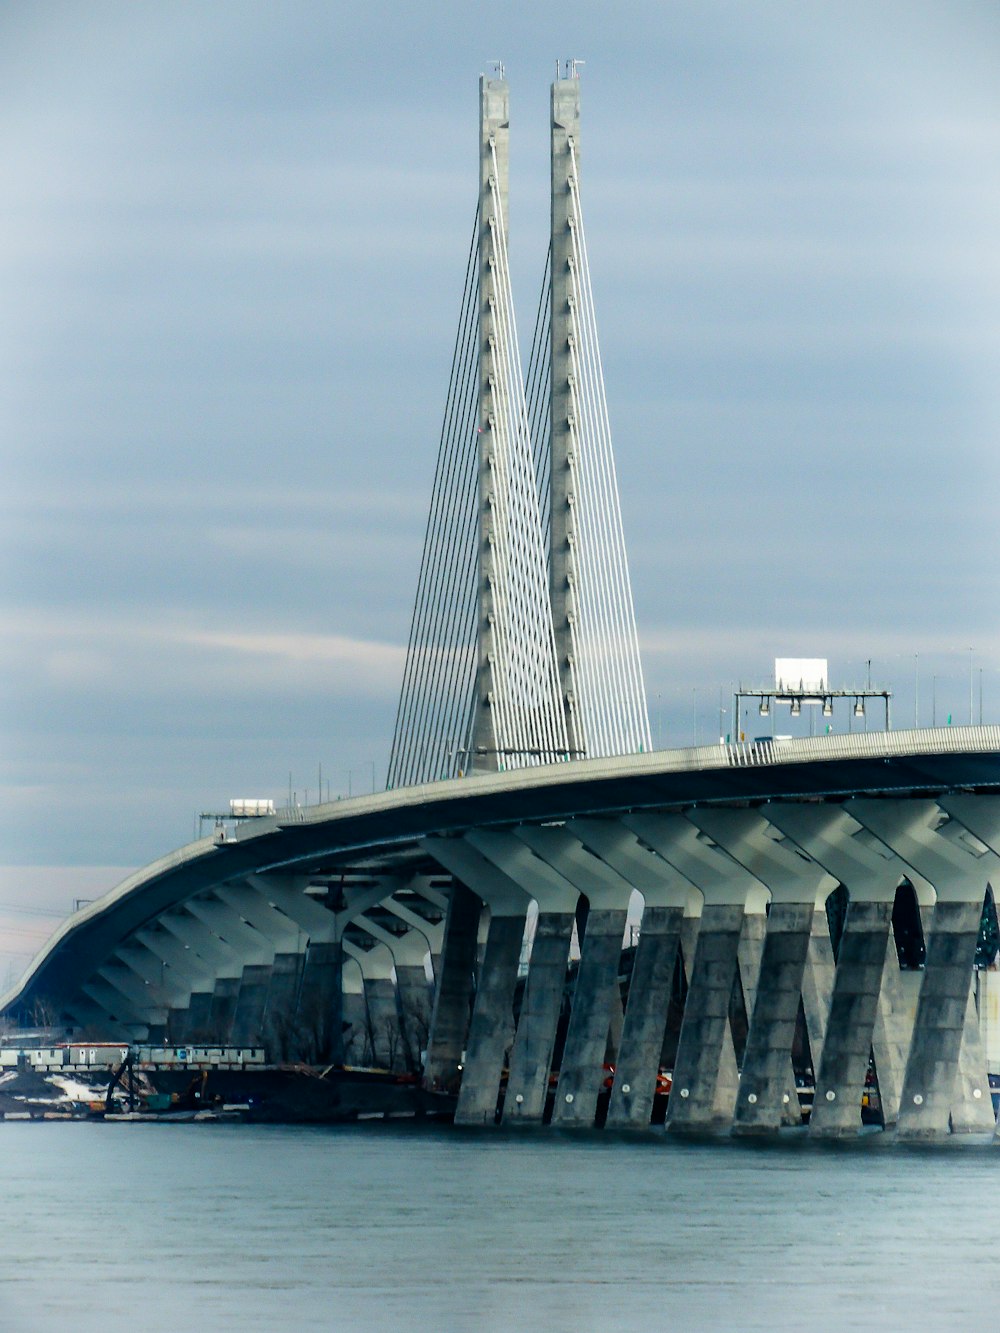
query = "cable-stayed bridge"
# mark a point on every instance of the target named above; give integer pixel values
(802, 913)
(523, 646)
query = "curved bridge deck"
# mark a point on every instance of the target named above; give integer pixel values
(392, 929)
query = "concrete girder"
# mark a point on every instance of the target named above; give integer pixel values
(133, 982)
(716, 876)
(789, 874)
(946, 856)
(225, 923)
(503, 895)
(165, 986)
(517, 862)
(408, 949)
(866, 866)
(433, 934)
(288, 894)
(424, 886)
(980, 815)
(566, 854)
(659, 883)
(193, 933)
(85, 1012)
(116, 1005)
(148, 1006)
(185, 961)
(283, 934)
(375, 963)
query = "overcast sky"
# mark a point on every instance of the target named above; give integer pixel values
(232, 240)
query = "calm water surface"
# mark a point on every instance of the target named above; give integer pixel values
(234, 1227)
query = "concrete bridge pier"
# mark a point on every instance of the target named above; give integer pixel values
(491, 1029)
(767, 1094)
(220, 920)
(596, 1007)
(665, 894)
(938, 1095)
(379, 992)
(817, 985)
(703, 1095)
(749, 960)
(865, 984)
(288, 942)
(980, 815)
(222, 962)
(408, 952)
(356, 1034)
(194, 1017)
(541, 1003)
(145, 1003)
(453, 992)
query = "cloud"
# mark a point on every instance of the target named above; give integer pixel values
(232, 250)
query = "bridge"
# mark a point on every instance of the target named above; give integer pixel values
(541, 914)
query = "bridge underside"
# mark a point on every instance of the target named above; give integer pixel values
(550, 944)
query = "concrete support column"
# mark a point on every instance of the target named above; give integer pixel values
(408, 951)
(199, 979)
(596, 1002)
(193, 1025)
(245, 1014)
(665, 894)
(280, 1011)
(703, 1095)
(491, 1030)
(817, 984)
(320, 1008)
(356, 1034)
(380, 1000)
(534, 1040)
(535, 1035)
(222, 1014)
(980, 815)
(415, 1011)
(454, 992)
(251, 1003)
(767, 1096)
(866, 964)
(383, 1016)
(937, 1094)
(863, 957)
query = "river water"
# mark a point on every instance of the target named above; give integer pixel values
(223, 1226)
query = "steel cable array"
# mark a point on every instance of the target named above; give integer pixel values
(433, 727)
(611, 696)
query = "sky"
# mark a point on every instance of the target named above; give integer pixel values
(232, 242)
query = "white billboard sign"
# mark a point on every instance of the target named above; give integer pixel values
(803, 675)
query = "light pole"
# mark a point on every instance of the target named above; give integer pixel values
(916, 690)
(971, 719)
